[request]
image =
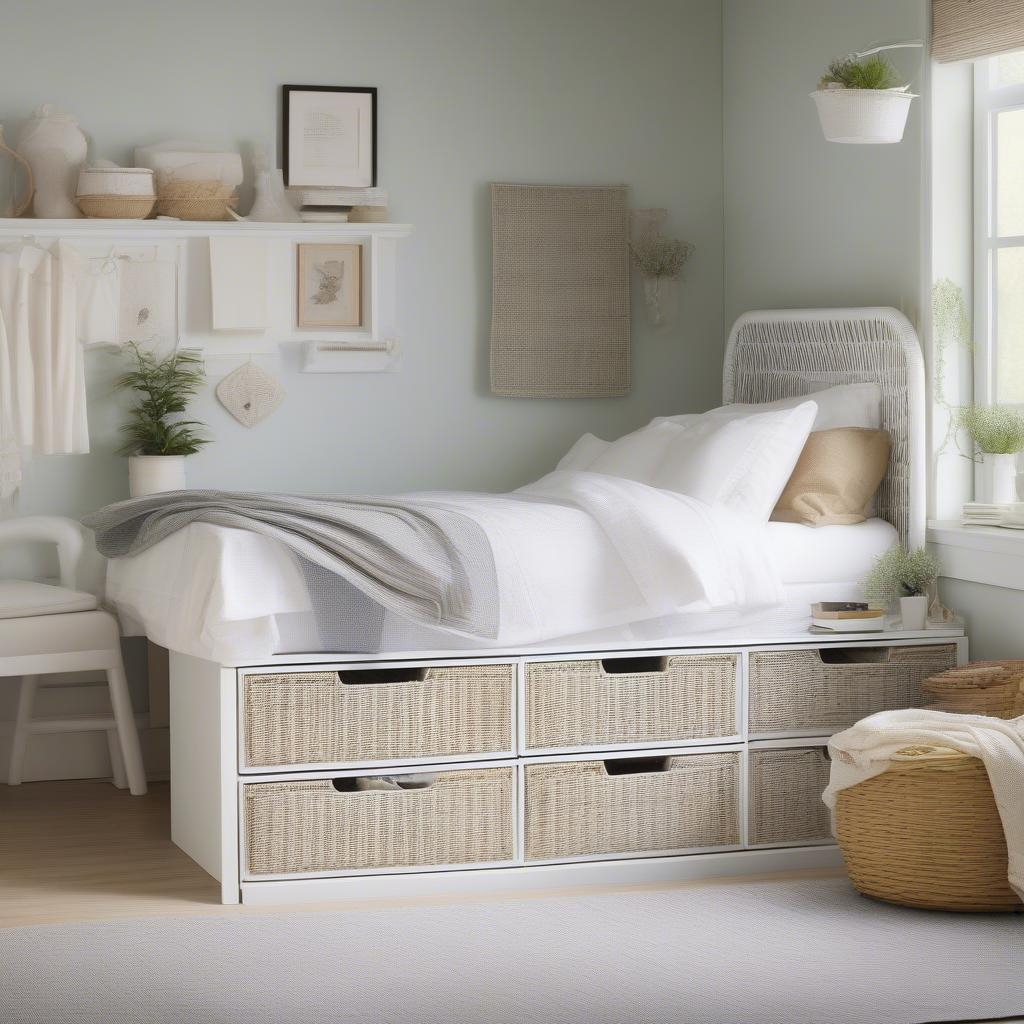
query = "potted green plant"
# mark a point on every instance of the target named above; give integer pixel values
(660, 262)
(861, 100)
(158, 439)
(907, 574)
(997, 434)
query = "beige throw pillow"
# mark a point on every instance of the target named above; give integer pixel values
(835, 477)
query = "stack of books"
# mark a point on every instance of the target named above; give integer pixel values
(981, 513)
(846, 617)
(334, 204)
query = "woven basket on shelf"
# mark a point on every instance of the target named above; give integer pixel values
(194, 200)
(116, 207)
(926, 832)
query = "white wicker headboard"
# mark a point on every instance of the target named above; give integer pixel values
(784, 352)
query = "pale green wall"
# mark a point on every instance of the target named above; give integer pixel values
(807, 222)
(471, 91)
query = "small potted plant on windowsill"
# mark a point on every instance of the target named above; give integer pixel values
(998, 436)
(158, 439)
(859, 100)
(905, 574)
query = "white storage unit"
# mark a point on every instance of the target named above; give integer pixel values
(550, 768)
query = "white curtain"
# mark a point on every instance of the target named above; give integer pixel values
(42, 372)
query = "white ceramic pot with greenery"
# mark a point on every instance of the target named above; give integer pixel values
(159, 438)
(997, 434)
(660, 262)
(860, 100)
(907, 575)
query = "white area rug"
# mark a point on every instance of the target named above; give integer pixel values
(810, 952)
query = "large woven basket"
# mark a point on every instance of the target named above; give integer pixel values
(926, 833)
(194, 200)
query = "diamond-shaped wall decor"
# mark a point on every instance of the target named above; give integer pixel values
(250, 394)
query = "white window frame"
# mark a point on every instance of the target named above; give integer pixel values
(988, 103)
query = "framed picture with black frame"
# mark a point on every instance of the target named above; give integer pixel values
(330, 136)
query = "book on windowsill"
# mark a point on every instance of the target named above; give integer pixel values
(845, 617)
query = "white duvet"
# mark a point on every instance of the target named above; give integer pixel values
(574, 552)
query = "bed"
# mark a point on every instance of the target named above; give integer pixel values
(230, 595)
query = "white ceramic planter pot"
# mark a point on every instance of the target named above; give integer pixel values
(871, 116)
(997, 479)
(154, 474)
(914, 611)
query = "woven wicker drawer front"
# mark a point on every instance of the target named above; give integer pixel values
(799, 690)
(576, 809)
(465, 817)
(785, 794)
(305, 718)
(580, 703)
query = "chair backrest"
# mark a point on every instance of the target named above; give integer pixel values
(67, 535)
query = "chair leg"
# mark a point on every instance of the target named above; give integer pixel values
(118, 776)
(121, 703)
(19, 739)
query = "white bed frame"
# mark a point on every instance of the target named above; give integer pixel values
(770, 355)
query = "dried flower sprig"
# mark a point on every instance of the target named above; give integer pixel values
(661, 257)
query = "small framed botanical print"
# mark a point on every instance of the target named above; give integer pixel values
(330, 285)
(330, 136)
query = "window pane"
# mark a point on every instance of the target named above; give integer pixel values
(1010, 172)
(1009, 363)
(1008, 69)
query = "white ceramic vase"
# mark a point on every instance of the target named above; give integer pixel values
(55, 149)
(914, 611)
(997, 479)
(154, 474)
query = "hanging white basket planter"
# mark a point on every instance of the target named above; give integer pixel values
(865, 116)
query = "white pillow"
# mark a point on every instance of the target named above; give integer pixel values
(845, 405)
(741, 462)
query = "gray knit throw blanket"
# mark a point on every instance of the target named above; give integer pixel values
(419, 558)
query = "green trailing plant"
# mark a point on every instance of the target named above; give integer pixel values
(951, 329)
(994, 429)
(873, 72)
(901, 572)
(661, 257)
(164, 388)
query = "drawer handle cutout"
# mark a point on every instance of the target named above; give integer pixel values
(635, 765)
(825, 755)
(350, 784)
(854, 655)
(381, 676)
(633, 666)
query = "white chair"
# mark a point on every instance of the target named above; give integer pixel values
(45, 630)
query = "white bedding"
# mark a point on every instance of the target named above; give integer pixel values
(233, 596)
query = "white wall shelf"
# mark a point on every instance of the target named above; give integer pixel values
(96, 227)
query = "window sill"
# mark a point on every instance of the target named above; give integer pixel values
(979, 554)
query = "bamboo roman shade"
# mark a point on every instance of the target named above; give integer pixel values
(969, 29)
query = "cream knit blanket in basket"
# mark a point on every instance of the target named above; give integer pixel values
(866, 749)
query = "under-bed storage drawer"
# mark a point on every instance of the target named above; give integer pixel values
(360, 715)
(463, 817)
(831, 688)
(657, 803)
(785, 789)
(621, 701)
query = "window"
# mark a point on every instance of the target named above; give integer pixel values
(999, 228)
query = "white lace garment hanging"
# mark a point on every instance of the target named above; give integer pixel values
(43, 385)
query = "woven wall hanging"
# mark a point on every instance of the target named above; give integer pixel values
(560, 315)
(250, 394)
